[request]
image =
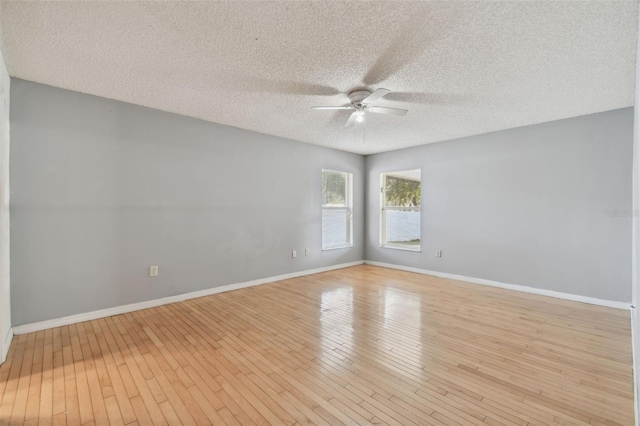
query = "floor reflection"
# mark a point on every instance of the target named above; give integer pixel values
(354, 320)
(336, 317)
(403, 324)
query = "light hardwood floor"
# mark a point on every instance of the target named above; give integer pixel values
(363, 345)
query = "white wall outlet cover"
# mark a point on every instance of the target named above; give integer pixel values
(307, 252)
(153, 271)
(293, 253)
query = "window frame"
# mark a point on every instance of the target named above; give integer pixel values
(348, 208)
(384, 209)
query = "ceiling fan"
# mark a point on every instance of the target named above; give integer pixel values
(361, 101)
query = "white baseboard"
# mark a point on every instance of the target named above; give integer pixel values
(5, 345)
(102, 313)
(516, 287)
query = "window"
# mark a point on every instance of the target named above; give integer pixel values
(400, 215)
(337, 220)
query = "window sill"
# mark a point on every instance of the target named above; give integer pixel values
(416, 250)
(337, 247)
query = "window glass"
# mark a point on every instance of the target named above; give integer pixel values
(400, 215)
(337, 216)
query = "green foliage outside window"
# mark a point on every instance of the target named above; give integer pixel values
(334, 188)
(402, 192)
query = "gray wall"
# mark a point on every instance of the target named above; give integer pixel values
(523, 206)
(5, 291)
(103, 189)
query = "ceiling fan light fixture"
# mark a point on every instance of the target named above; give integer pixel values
(360, 102)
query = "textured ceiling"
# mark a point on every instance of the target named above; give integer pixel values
(461, 68)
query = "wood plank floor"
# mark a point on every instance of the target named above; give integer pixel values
(363, 345)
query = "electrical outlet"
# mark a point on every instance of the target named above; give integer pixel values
(153, 271)
(307, 252)
(293, 253)
(438, 253)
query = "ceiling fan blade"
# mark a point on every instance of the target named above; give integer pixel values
(432, 98)
(379, 93)
(385, 110)
(266, 85)
(409, 45)
(331, 107)
(351, 119)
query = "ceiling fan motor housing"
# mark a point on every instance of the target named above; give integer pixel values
(357, 97)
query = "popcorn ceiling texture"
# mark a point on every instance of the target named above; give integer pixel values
(461, 68)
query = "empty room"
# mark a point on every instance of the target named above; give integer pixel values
(319, 213)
